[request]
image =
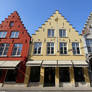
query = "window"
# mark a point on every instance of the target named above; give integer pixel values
(3, 34)
(63, 48)
(50, 48)
(76, 49)
(14, 34)
(11, 24)
(89, 45)
(62, 33)
(17, 50)
(50, 32)
(37, 48)
(4, 49)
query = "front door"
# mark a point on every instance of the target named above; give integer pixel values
(49, 76)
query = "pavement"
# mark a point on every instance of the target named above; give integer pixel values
(45, 89)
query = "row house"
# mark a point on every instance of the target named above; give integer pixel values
(56, 56)
(14, 48)
(87, 36)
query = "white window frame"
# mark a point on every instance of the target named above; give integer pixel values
(51, 31)
(5, 46)
(2, 34)
(76, 48)
(62, 36)
(37, 48)
(14, 36)
(17, 49)
(64, 47)
(50, 48)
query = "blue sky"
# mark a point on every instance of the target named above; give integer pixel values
(34, 13)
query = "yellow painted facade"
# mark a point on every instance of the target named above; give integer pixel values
(57, 22)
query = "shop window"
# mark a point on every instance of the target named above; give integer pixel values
(50, 48)
(35, 74)
(37, 48)
(11, 76)
(75, 47)
(4, 49)
(50, 32)
(78, 74)
(62, 33)
(49, 76)
(17, 50)
(3, 34)
(14, 34)
(64, 74)
(63, 48)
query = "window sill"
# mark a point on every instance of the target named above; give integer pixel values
(15, 56)
(63, 37)
(78, 55)
(37, 55)
(51, 37)
(51, 55)
(3, 56)
(64, 55)
(14, 38)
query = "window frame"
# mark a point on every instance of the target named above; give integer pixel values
(3, 33)
(76, 48)
(63, 48)
(62, 30)
(5, 49)
(50, 48)
(14, 35)
(52, 33)
(37, 48)
(16, 55)
(88, 43)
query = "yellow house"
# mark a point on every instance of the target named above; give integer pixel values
(57, 57)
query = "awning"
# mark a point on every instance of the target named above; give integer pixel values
(49, 64)
(80, 63)
(34, 63)
(64, 63)
(8, 64)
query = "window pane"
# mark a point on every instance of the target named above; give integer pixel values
(62, 33)
(4, 49)
(14, 34)
(50, 32)
(37, 47)
(3, 34)
(17, 49)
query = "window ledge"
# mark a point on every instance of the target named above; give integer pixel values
(16, 56)
(78, 55)
(64, 55)
(51, 37)
(4, 56)
(37, 55)
(51, 55)
(63, 37)
(14, 38)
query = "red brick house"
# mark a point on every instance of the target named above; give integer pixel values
(14, 48)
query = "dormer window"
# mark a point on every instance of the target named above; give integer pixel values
(50, 32)
(3, 34)
(11, 24)
(14, 34)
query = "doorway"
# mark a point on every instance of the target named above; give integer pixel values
(49, 76)
(79, 74)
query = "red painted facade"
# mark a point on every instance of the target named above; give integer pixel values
(24, 38)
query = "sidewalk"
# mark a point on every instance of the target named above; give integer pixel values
(46, 88)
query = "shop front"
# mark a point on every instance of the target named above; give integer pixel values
(8, 72)
(56, 74)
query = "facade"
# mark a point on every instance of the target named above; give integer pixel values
(14, 47)
(87, 35)
(56, 57)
